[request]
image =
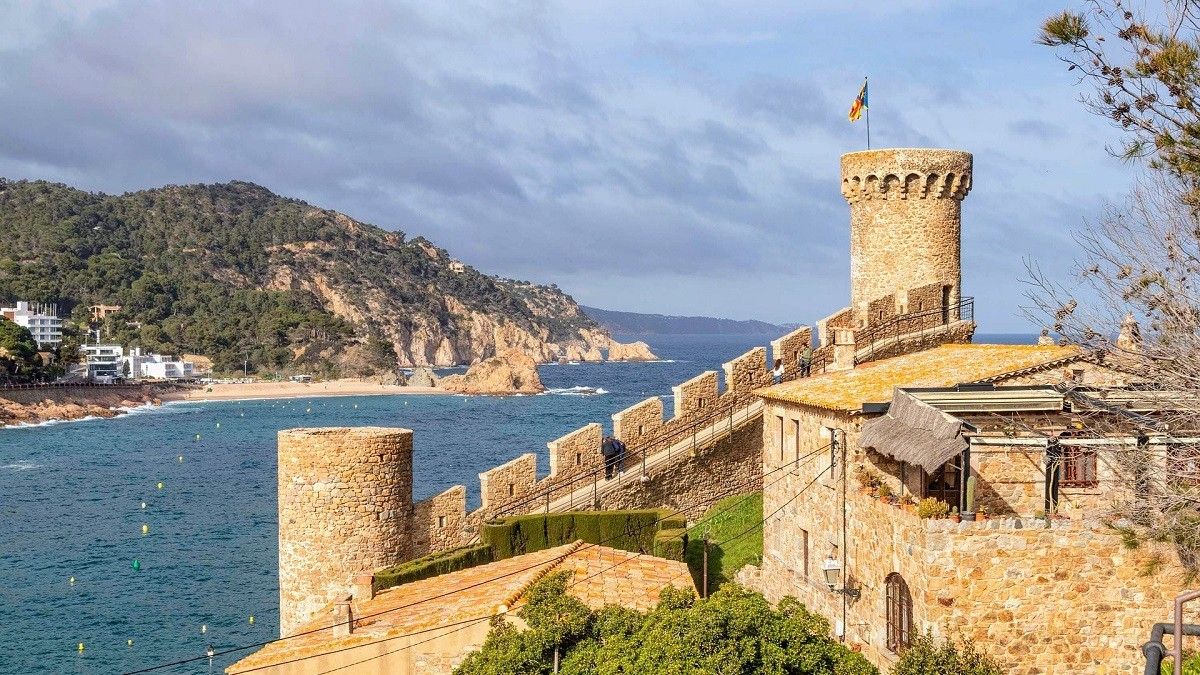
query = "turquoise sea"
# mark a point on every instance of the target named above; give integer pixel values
(72, 494)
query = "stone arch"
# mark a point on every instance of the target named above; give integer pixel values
(948, 184)
(912, 184)
(871, 185)
(931, 185)
(890, 186)
(898, 611)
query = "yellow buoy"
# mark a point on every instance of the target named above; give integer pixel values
(129, 642)
(181, 458)
(197, 436)
(80, 647)
(145, 529)
(160, 485)
(252, 619)
(71, 581)
(203, 628)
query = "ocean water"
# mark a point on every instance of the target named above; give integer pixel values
(71, 498)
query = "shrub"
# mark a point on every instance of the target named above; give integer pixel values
(671, 544)
(927, 656)
(432, 565)
(626, 530)
(931, 507)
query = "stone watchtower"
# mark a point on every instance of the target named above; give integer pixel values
(345, 499)
(905, 221)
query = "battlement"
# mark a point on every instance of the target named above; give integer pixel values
(906, 173)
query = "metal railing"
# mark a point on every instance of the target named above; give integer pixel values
(914, 322)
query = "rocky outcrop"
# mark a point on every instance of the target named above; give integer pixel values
(513, 372)
(634, 351)
(35, 406)
(422, 377)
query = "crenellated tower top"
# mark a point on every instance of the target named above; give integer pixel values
(906, 173)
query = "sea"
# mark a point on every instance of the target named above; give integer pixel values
(139, 541)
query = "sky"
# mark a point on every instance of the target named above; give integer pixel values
(669, 157)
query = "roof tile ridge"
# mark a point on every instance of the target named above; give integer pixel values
(550, 566)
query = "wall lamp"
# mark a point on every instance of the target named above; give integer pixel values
(832, 570)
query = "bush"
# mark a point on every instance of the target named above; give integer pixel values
(931, 507)
(626, 530)
(433, 565)
(671, 544)
(927, 656)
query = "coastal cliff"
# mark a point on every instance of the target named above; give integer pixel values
(36, 406)
(513, 372)
(251, 279)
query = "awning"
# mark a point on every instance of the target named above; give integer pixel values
(915, 432)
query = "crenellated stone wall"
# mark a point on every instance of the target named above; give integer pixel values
(639, 421)
(509, 481)
(696, 395)
(789, 348)
(747, 372)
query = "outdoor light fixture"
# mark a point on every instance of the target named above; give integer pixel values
(833, 572)
(833, 577)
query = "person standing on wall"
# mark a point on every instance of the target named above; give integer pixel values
(777, 372)
(806, 361)
(608, 449)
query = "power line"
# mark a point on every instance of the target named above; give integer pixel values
(232, 650)
(622, 562)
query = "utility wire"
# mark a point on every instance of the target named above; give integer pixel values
(439, 596)
(463, 624)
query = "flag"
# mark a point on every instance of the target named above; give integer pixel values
(860, 103)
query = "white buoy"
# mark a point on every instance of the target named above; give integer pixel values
(218, 425)
(143, 505)
(203, 628)
(71, 581)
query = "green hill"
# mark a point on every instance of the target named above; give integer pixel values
(232, 271)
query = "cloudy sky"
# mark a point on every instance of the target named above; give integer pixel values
(675, 157)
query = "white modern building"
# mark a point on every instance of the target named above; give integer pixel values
(41, 320)
(156, 366)
(103, 362)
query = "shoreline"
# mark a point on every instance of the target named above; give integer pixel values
(255, 391)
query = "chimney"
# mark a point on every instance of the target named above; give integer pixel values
(343, 618)
(843, 349)
(362, 588)
(1130, 337)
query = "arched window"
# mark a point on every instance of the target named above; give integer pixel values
(899, 613)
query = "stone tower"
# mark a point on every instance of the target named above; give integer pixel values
(345, 499)
(905, 221)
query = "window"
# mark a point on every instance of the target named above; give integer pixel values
(796, 438)
(899, 613)
(945, 483)
(511, 489)
(780, 418)
(804, 551)
(641, 430)
(1079, 466)
(441, 521)
(579, 459)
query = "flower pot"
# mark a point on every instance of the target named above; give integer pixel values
(968, 516)
(956, 518)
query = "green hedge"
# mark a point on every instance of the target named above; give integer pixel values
(671, 544)
(626, 530)
(432, 565)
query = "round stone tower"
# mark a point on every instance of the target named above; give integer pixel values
(905, 221)
(345, 495)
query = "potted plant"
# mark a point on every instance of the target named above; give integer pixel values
(954, 515)
(885, 493)
(969, 513)
(983, 514)
(863, 476)
(932, 507)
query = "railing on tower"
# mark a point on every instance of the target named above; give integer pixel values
(913, 323)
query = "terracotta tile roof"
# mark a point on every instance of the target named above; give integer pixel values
(943, 366)
(632, 581)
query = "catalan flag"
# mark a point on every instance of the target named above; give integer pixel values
(860, 103)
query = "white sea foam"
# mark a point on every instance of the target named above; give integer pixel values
(21, 466)
(50, 423)
(577, 391)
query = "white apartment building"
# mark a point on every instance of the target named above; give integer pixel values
(41, 320)
(156, 366)
(103, 361)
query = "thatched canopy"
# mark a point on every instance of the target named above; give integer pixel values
(915, 432)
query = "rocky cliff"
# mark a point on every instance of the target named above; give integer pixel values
(248, 278)
(634, 351)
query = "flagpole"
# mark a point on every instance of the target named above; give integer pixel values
(868, 115)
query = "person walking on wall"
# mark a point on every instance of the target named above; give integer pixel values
(806, 361)
(621, 450)
(608, 449)
(777, 372)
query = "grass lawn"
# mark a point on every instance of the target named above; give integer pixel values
(724, 520)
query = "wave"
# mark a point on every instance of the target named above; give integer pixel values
(576, 391)
(50, 423)
(21, 466)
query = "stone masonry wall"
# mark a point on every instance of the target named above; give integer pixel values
(696, 395)
(639, 421)
(1064, 599)
(345, 497)
(511, 480)
(747, 372)
(440, 522)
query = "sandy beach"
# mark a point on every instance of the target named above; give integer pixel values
(229, 392)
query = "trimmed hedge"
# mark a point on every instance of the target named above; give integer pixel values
(432, 565)
(671, 544)
(634, 531)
